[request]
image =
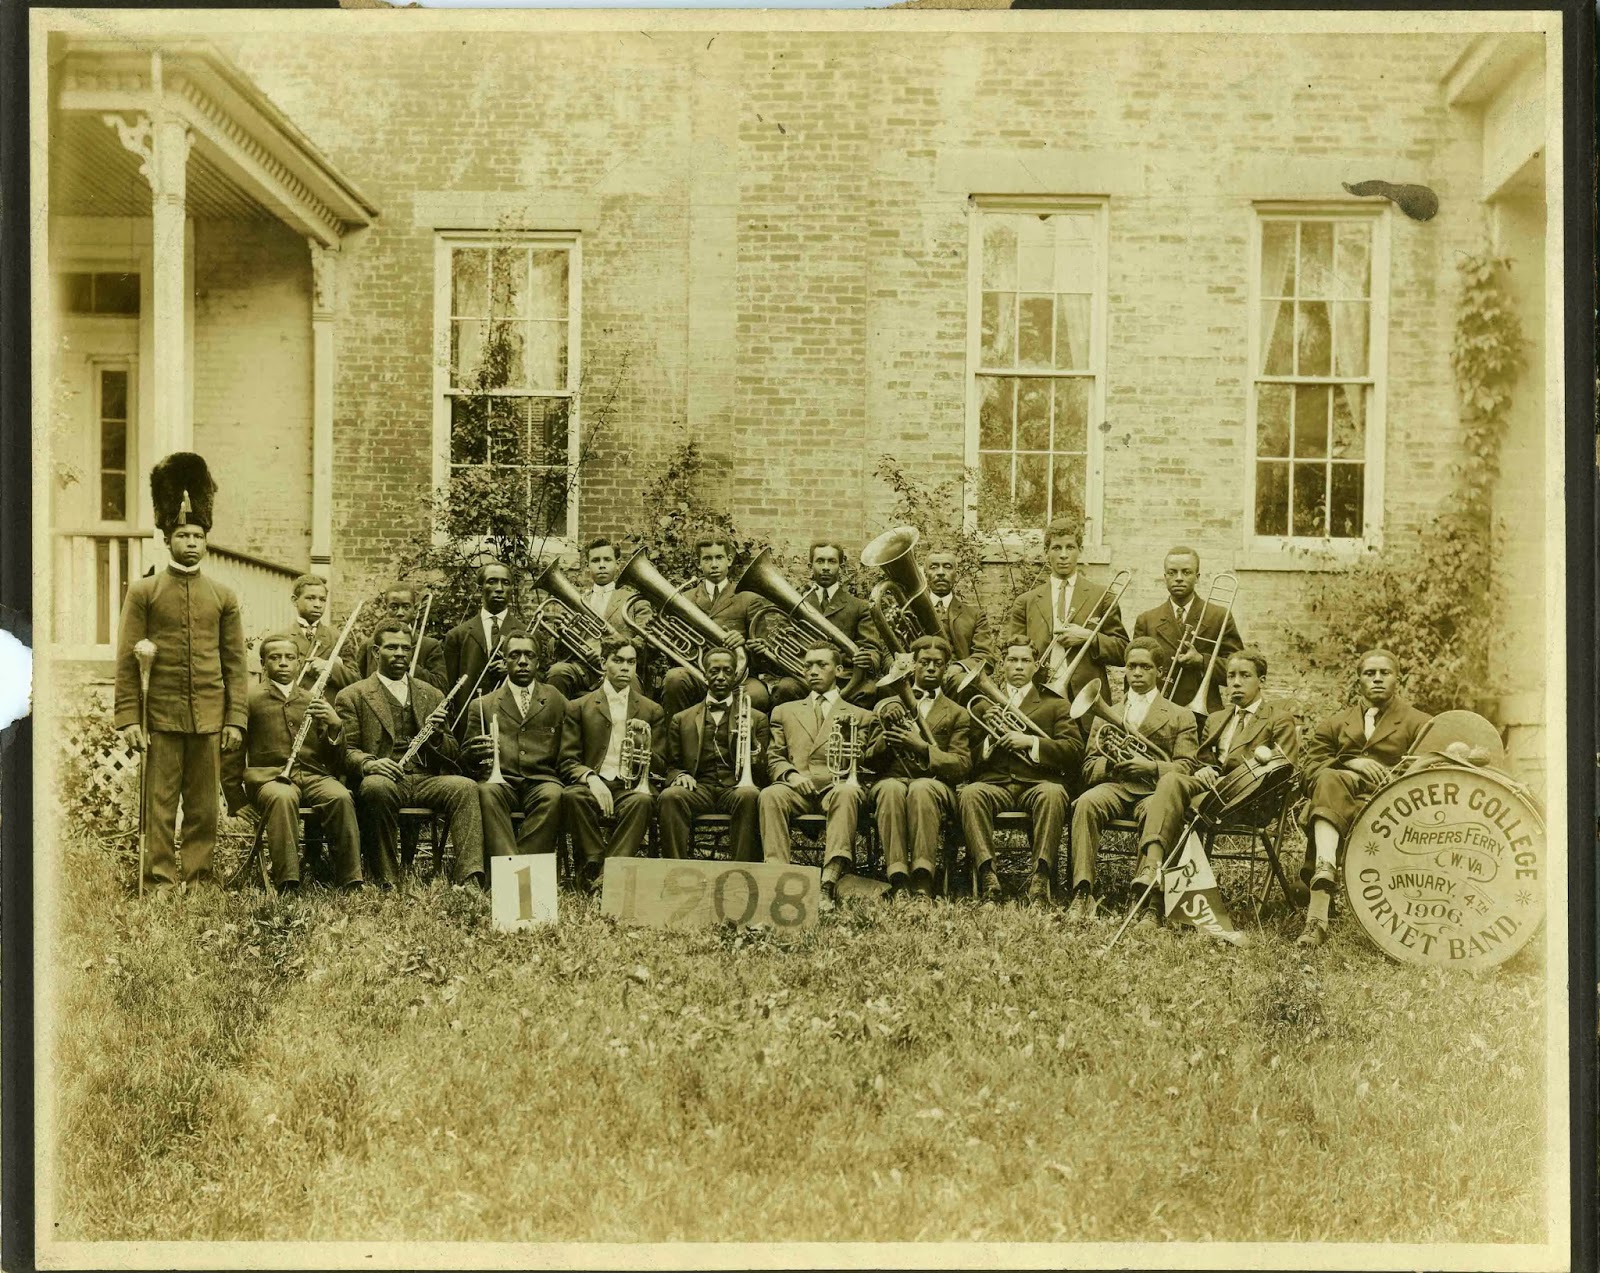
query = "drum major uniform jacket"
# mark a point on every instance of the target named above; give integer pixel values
(199, 681)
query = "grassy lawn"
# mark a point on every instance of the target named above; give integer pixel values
(391, 1068)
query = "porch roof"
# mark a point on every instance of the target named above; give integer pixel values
(248, 161)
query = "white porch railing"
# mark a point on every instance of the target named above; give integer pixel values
(92, 570)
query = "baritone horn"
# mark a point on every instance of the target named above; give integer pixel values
(1118, 742)
(974, 689)
(901, 605)
(1061, 683)
(797, 627)
(635, 756)
(666, 619)
(569, 621)
(1222, 591)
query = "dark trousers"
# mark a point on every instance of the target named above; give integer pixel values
(378, 805)
(539, 800)
(280, 803)
(910, 814)
(1336, 796)
(1096, 807)
(680, 691)
(573, 680)
(631, 819)
(779, 802)
(677, 807)
(1167, 809)
(184, 768)
(1045, 803)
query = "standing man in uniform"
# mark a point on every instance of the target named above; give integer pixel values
(199, 688)
(1058, 616)
(1168, 622)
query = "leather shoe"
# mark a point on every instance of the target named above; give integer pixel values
(829, 896)
(988, 885)
(921, 886)
(1039, 890)
(1324, 877)
(1315, 934)
(1145, 879)
(1082, 907)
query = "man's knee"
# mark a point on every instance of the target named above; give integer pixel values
(673, 801)
(1102, 800)
(1050, 796)
(379, 791)
(274, 794)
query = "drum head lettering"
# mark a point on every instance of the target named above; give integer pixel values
(1446, 866)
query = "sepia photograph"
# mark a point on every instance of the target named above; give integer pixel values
(914, 638)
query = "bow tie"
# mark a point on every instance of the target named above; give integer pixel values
(922, 694)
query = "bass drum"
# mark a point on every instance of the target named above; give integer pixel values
(1446, 866)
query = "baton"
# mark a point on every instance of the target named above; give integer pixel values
(144, 651)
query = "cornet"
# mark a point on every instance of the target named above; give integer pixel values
(1228, 584)
(903, 708)
(743, 738)
(1118, 743)
(493, 734)
(1061, 683)
(844, 750)
(633, 762)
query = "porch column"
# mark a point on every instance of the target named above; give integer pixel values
(162, 145)
(324, 280)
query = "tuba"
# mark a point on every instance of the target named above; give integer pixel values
(901, 605)
(844, 750)
(1061, 683)
(565, 619)
(972, 688)
(784, 636)
(1118, 743)
(633, 761)
(1227, 583)
(664, 618)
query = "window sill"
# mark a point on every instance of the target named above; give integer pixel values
(1028, 546)
(1324, 559)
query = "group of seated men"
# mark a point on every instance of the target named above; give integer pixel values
(553, 750)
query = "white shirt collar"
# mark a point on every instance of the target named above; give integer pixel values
(616, 696)
(491, 618)
(1249, 709)
(603, 587)
(184, 570)
(400, 689)
(1018, 693)
(521, 695)
(285, 692)
(1144, 700)
(828, 699)
(826, 593)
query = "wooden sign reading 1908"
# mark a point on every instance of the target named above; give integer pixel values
(667, 894)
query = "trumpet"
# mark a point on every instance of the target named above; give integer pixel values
(492, 732)
(1061, 683)
(426, 731)
(796, 626)
(901, 605)
(844, 750)
(1118, 742)
(566, 620)
(743, 737)
(664, 618)
(633, 761)
(1228, 584)
(972, 688)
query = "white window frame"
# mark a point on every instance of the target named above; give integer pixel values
(98, 364)
(1269, 549)
(443, 242)
(1030, 539)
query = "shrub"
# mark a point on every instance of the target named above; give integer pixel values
(97, 776)
(676, 510)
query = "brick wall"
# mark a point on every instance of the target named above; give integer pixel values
(791, 185)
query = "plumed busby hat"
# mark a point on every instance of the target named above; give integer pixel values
(181, 492)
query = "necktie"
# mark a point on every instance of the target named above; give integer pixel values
(1371, 720)
(494, 632)
(1228, 733)
(819, 705)
(944, 618)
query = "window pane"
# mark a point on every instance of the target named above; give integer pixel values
(995, 397)
(547, 289)
(114, 445)
(1272, 499)
(1350, 422)
(999, 254)
(469, 430)
(547, 355)
(1066, 487)
(507, 432)
(77, 293)
(1031, 482)
(1035, 316)
(116, 293)
(1277, 336)
(504, 357)
(1277, 258)
(1072, 415)
(547, 430)
(1347, 500)
(508, 283)
(994, 489)
(466, 353)
(1036, 254)
(114, 396)
(1316, 260)
(113, 497)
(1033, 416)
(1072, 332)
(999, 334)
(1313, 339)
(1352, 261)
(1272, 420)
(547, 499)
(469, 282)
(1350, 338)
(1310, 421)
(1310, 500)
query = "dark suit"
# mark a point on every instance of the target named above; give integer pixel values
(708, 757)
(377, 728)
(530, 763)
(1334, 793)
(315, 782)
(586, 739)
(967, 629)
(466, 654)
(1030, 620)
(1268, 726)
(570, 677)
(1169, 727)
(915, 795)
(850, 614)
(430, 662)
(1004, 780)
(198, 684)
(321, 638)
(1162, 624)
(799, 742)
(732, 612)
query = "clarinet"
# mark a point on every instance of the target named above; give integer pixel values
(426, 731)
(316, 693)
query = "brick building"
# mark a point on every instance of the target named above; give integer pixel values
(1111, 271)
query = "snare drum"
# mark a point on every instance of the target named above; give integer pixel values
(1250, 792)
(1446, 866)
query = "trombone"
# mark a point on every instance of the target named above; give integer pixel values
(1061, 683)
(1118, 742)
(572, 626)
(1228, 584)
(422, 627)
